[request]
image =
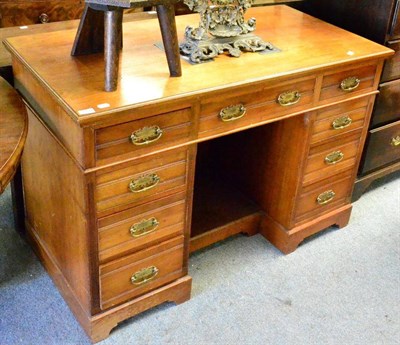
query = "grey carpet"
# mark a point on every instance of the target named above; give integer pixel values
(339, 287)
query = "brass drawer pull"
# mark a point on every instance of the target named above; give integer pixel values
(232, 113)
(144, 275)
(342, 122)
(146, 135)
(325, 197)
(289, 98)
(44, 18)
(144, 227)
(334, 157)
(350, 84)
(144, 183)
(395, 141)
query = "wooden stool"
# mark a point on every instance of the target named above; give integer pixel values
(13, 132)
(100, 29)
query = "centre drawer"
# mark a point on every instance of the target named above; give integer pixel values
(227, 112)
(140, 137)
(141, 180)
(136, 274)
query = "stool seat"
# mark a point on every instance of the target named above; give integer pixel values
(13, 132)
(100, 30)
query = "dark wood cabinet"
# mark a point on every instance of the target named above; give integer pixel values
(18, 13)
(378, 21)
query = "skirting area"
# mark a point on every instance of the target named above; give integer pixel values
(339, 287)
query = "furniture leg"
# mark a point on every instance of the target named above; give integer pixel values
(166, 19)
(112, 44)
(17, 196)
(90, 35)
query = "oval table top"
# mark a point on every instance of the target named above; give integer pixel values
(13, 131)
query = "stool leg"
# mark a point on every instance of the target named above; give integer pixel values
(89, 38)
(112, 45)
(166, 18)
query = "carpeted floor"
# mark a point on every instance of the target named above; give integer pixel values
(339, 287)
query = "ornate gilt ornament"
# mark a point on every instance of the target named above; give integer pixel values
(222, 28)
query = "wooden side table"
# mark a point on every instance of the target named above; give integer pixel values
(13, 132)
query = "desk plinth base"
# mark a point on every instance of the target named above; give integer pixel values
(99, 326)
(288, 240)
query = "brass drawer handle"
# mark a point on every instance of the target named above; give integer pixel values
(144, 227)
(144, 183)
(146, 135)
(334, 157)
(342, 122)
(289, 98)
(44, 18)
(144, 275)
(350, 84)
(232, 113)
(395, 141)
(325, 197)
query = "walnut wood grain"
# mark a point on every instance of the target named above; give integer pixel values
(18, 13)
(58, 183)
(13, 132)
(271, 156)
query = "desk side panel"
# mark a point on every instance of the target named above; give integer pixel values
(56, 209)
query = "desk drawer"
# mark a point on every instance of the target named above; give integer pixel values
(136, 274)
(141, 226)
(239, 109)
(137, 138)
(331, 158)
(340, 119)
(391, 69)
(17, 13)
(348, 83)
(142, 180)
(324, 196)
(387, 105)
(382, 148)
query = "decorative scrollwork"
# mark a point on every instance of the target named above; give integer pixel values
(222, 28)
(221, 18)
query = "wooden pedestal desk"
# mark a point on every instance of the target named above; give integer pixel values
(121, 186)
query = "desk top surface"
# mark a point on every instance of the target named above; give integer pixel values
(306, 43)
